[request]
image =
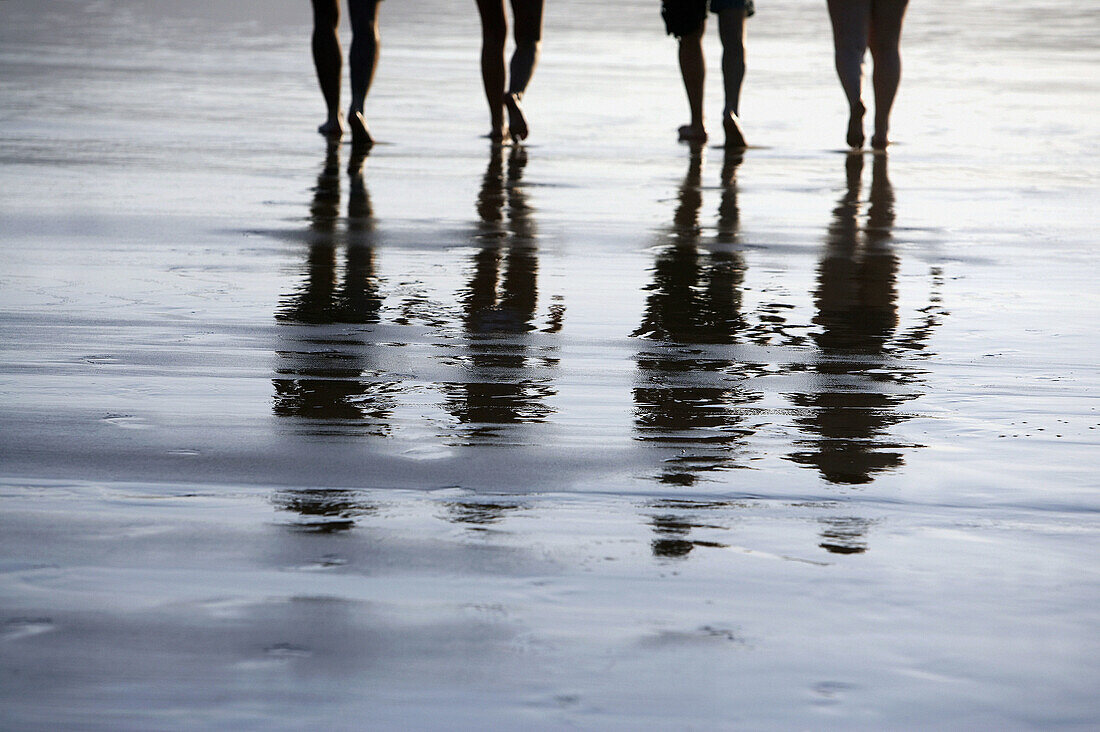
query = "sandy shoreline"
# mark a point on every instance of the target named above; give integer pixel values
(597, 432)
(245, 610)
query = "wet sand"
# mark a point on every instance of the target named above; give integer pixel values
(597, 432)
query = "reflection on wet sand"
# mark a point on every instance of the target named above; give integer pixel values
(844, 534)
(691, 398)
(479, 515)
(507, 377)
(697, 392)
(324, 377)
(324, 511)
(673, 522)
(688, 389)
(861, 375)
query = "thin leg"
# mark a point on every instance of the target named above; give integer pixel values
(528, 34)
(851, 21)
(731, 29)
(328, 60)
(494, 31)
(885, 37)
(363, 60)
(694, 71)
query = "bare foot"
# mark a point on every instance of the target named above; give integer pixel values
(499, 136)
(735, 136)
(333, 127)
(855, 127)
(692, 133)
(360, 133)
(517, 122)
(880, 142)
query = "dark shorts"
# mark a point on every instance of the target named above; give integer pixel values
(717, 6)
(683, 17)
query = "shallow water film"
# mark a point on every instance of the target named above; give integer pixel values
(601, 431)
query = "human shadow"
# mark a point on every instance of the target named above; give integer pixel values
(688, 388)
(507, 372)
(325, 378)
(867, 367)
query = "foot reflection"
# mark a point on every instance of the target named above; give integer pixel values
(675, 524)
(324, 376)
(864, 371)
(689, 390)
(479, 515)
(508, 377)
(844, 534)
(324, 511)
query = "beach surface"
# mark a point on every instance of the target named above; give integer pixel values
(597, 432)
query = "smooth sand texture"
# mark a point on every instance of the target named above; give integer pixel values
(598, 432)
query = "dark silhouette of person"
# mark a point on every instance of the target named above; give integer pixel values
(861, 369)
(528, 37)
(686, 20)
(857, 26)
(506, 380)
(686, 397)
(324, 374)
(328, 60)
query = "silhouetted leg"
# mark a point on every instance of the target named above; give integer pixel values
(694, 71)
(328, 61)
(731, 29)
(528, 33)
(363, 60)
(851, 20)
(729, 214)
(880, 215)
(494, 31)
(885, 37)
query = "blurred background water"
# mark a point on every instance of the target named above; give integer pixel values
(598, 431)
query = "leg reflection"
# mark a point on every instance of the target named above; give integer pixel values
(689, 389)
(862, 371)
(676, 525)
(323, 511)
(507, 379)
(479, 515)
(325, 378)
(844, 534)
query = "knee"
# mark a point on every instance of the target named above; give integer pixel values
(692, 42)
(848, 43)
(365, 32)
(366, 41)
(885, 52)
(734, 47)
(696, 36)
(849, 55)
(528, 35)
(528, 45)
